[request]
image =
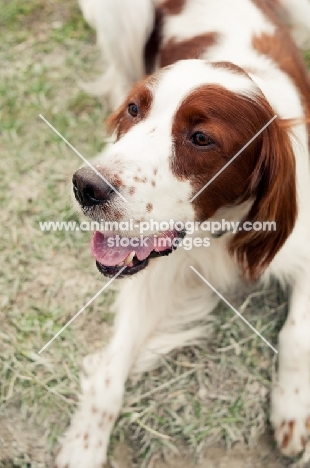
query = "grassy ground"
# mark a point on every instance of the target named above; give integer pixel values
(216, 393)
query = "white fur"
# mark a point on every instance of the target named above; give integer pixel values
(166, 305)
(122, 30)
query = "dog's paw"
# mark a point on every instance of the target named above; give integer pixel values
(290, 418)
(84, 445)
(85, 442)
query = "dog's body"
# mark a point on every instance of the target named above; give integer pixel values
(176, 131)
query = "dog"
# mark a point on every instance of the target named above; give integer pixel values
(211, 103)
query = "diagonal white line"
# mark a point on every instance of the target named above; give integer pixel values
(235, 310)
(82, 157)
(236, 155)
(83, 308)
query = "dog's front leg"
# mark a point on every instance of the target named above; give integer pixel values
(86, 440)
(290, 414)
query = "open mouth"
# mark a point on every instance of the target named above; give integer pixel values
(113, 252)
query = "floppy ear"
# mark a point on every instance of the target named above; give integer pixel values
(273, 188)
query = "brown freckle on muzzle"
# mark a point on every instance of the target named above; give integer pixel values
(140, 179)
(149, 207)
(117, 181)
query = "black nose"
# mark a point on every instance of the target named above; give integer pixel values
(89, 188)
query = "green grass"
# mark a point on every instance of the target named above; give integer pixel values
(216, 393)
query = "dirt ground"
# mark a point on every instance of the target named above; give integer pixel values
(16, 438)
(262, 455)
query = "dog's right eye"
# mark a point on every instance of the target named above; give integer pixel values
(133, 110)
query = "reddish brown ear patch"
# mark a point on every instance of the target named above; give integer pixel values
(263, 172)
(121, 120)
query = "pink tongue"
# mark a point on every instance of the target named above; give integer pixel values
(108, 252)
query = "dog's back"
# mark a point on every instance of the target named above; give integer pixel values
(139, 36)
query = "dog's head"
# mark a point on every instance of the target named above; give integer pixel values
(177, 131)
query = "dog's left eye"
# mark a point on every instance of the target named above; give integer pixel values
(200, 139)
(133, 109)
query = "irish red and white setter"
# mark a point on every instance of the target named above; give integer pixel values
(191, 83)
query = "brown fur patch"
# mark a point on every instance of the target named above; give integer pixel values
(288, 436)
(121, 121)
(285, 441)
(273, 9)
(281, 49)
(175, 50)
(149, 207)
(264, 171)
(132, 190)
(173, 7)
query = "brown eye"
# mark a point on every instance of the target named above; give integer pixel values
(200, 139)
(133, 110)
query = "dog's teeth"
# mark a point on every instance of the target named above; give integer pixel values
(121, 264)
(129, 258)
